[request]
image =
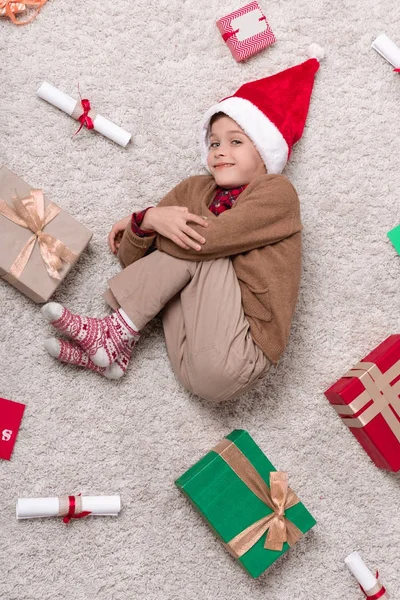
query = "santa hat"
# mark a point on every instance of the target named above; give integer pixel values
(271, 111)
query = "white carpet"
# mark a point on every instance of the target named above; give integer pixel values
(154, 68)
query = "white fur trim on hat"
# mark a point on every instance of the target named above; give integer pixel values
(266, 137)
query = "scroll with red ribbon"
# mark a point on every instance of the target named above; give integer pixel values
(368, 399)
(68, 507)
(369, 584)
(82, 111)
(39, 242)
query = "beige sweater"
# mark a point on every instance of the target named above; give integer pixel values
(261, 234)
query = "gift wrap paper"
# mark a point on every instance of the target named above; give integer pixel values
(229, 505)
(368, 399)
(35, 282)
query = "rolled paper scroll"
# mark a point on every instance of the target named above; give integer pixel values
(75, 110)
(31, 508)
(370, 585)
(387, 49)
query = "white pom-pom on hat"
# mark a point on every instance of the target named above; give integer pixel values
(316, 51)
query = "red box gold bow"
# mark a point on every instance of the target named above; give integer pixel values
(368, 399)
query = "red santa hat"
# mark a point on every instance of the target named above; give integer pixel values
(271, 111)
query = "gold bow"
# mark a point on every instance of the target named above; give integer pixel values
(278, 497)
(30, 213)
(10, 8)
(378, 389)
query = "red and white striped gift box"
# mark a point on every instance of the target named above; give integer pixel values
(246, 31)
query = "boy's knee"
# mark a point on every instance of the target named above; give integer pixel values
(211, 379)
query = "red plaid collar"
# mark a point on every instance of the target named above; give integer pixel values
(230, 194)
(225, 199)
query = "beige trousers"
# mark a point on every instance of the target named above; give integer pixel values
(207, 335)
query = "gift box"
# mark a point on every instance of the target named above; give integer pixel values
(10, 420)
(367, 399)
(246, 502)
(246, 31)
(394, 237)
(9, 8)
(39, 242)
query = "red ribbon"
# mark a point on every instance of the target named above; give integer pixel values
(396, 70)
(71, 511)
(229, 34)
(382, 591)
(84, 119)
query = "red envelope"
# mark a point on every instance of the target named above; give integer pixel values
(10, 420)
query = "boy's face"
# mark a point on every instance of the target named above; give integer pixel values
(232, 157)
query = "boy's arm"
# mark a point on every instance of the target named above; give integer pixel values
(268, 214)
(133, 246)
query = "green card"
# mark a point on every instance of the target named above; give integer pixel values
(230, 506)
(394, 237)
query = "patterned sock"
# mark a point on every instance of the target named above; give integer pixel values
(72, 353)
(103, 340)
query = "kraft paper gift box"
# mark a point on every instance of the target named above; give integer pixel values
(34, 224)
(368, 399)
(246, 31)
(246, 502)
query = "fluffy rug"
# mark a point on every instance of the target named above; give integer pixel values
(154, 68)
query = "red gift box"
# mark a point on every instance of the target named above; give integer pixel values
(246, 31)
(10, 420)
(368, 399)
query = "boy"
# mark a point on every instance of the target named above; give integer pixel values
(226, 260)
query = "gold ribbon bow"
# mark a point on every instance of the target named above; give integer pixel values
(10, 8)
(378, 397)
(279, 497)
(30, 213)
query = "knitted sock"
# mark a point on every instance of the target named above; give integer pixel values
(103, 340)
(72, 353)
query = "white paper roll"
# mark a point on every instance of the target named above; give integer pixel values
(356, 565)
(387, 49)
(67, 104)
(30, 508)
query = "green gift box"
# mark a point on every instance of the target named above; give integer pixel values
(246, 502)
(394, 237)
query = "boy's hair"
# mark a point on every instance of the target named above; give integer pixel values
(214, 118)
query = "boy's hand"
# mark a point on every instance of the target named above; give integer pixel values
(115, 235)
(172, 223)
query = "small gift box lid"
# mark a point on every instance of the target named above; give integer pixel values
(368, 400)
(34, 281)
(230, 506)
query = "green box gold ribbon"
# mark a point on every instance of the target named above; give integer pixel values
(246, 501)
